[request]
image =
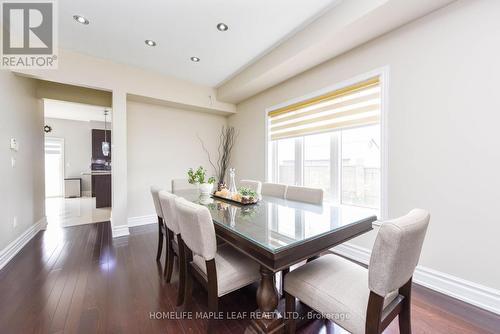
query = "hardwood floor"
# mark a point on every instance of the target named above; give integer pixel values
(79, 280)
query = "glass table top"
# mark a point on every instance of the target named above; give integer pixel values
(275, 223)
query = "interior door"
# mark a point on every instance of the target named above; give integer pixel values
(54, 167)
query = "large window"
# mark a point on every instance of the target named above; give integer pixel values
(332, 142)
(361, 166)
(317, 162)
(286, 161)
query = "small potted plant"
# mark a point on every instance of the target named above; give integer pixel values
(247, 195)
(199, 177)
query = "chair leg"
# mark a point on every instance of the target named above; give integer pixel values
(188, 282)
(282, 282)
(405, 314)
(213, 296)
(213, 306)
(182, 271)
(169, 258)
(290, 324)
(160, 239)
(188, 291)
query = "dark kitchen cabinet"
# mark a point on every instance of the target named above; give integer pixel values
(101, 187)
(101, 184)
(97, 140)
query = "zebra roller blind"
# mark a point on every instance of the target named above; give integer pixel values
(350, 106)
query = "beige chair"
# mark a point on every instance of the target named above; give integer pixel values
(304, 194)
(364, 300)
(220, 270)
(161, 228)
(274, 189)
(167, 202)
(252, 184)
(182, 184)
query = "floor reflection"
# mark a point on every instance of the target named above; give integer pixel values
(65, 212)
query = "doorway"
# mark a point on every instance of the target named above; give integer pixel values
(77, 163)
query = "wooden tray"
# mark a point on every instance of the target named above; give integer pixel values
(230, 200)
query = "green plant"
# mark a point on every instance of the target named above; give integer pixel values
(244, 191)
(199, 176)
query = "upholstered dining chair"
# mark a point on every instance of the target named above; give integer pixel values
(220, 269)
(167, 202)
(252, 184)
(364, 300)
(274, 189)
(304, 194)
(161, 227)
(182, 184)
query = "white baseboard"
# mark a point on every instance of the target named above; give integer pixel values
(15, 246)
(142, 220)
(467, 291)
(119, 231)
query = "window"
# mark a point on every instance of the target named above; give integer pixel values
(331, 141)
(361, 166)
(317, 164)
(286, 161)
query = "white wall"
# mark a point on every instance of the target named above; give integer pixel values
(162, 144)
(87, 71)
(77, 145)
(122, 80)
(22, 187)
(443, 130)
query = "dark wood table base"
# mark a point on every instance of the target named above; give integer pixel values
(267, 318)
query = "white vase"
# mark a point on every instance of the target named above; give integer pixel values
(206, 188)
(206, 199)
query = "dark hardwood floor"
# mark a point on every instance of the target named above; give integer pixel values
(79, 280)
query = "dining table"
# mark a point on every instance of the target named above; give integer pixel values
(279, 233)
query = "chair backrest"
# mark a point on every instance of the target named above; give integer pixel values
(252, 184)
(182, 184)
(274, 189)
(396, 251)
(197, 228)
(304, 194)
(167, 202)
(154, 192)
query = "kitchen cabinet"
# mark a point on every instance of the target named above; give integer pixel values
(97, 139)
(101, 170)
(101, 189)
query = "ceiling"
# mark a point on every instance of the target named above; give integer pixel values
(348, 25)
(182, 29)
(74, 111)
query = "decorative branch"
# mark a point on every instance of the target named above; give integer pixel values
(227, 139)
(208, 153)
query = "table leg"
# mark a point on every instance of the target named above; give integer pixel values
(267, 318)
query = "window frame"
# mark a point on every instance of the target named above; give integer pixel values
(383, 74)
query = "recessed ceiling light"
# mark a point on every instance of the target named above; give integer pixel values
(222, 27)
(150, 42)
(195, 59)
(81, 19)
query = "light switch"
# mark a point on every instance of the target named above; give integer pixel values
(14, 144)
(13, 162)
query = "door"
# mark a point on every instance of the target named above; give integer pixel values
(54, 167)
